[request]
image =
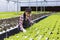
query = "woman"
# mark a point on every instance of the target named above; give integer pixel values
(25, 20)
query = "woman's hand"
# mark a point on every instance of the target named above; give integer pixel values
(32, 22)
(23, 30)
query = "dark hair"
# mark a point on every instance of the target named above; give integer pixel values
(24, 15)
(28, 10)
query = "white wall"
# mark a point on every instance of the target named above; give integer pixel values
(12, 6)
(5, 6)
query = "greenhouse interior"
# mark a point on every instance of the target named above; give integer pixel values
(29, 19)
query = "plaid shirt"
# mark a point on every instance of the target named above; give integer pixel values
(21, 20)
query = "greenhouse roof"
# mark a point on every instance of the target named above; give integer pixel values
(35, 0)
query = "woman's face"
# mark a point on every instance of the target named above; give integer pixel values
(27, 14)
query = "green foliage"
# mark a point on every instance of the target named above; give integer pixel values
(4, 15)
(46, 29)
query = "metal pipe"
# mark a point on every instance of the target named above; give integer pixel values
(7, 11)
(41, 6)
(17, 6)
(36, 6)
(29, 4)
(44, 6)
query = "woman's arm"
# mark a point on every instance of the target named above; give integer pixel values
(21, 24)
(31, 19)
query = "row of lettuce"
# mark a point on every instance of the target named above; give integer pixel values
(46, 29)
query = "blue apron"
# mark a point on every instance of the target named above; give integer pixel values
(26, 24)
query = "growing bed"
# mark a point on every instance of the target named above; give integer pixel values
(9, 23)
(46, 29)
